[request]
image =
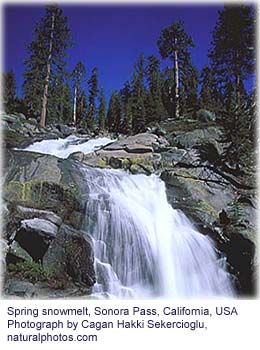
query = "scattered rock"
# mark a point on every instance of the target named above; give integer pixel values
(23, 289)
(79, 156)
(17, 254)
(30, 213)
(206, 116)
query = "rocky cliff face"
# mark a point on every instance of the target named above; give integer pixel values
(44, 202)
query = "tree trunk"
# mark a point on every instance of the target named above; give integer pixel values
(75, 106)
(47, 78)
(176, 71)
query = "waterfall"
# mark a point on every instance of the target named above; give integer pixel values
(143, 247)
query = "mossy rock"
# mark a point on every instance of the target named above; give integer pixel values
(102, 163)
(13, 138)
(43, 195)
(47, 183)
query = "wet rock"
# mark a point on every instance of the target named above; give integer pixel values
(79, 156)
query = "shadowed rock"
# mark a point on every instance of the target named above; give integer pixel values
(35, 235)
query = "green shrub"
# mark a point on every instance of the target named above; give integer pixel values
(35, 272)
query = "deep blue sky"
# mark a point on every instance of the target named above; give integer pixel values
(109, 37)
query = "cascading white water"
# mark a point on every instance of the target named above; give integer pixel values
(62, 148)
(143, 247)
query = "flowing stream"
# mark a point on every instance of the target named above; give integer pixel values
(143, 247)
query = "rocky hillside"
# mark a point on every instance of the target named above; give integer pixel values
(44, 201)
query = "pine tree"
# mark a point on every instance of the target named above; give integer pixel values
(233, 46)
(232, 59)
(46, 60)
(189, 87)
(230, 96)
(113, 120)
(168, 91)
(102, 110)
(154, 105)
(65, 104)
(81, 107)
(56, 100)
(78, 76)
(9, 92)
(174, 44)
(126, 100)
(239, 125)
(128, 118)
(93, 91)
(138, 96)
(210, 97)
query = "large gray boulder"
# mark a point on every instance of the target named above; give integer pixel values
(47, 183)
(71, 253)
(35, 235)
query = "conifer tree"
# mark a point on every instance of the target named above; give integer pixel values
(65, 104)
(138, 96)
(81, 107)
(174, 43)
(126, 100)
(232, 59)
(93, 91)
(9, 92)
(102, 110)
(154, 105)
(189, 87)
(233, 46)
(210, 97)
(239, 125)
(113, 120)
(59, 102)
(168, 91)
(46, 60)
